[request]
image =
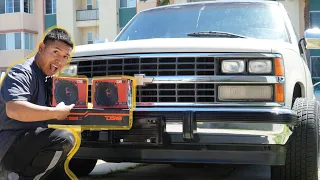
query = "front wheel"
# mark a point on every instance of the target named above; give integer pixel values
(302, 147)
(80, 168)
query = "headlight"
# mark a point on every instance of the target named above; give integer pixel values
(245, 93)
(260, 66)
(233, 66)
(70, 70)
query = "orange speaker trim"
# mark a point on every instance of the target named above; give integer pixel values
(118, 95)
(81, 85)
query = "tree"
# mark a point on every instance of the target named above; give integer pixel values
(163, 2)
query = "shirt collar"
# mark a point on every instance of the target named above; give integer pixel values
(39, 72)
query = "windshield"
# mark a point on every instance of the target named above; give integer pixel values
(253, 20)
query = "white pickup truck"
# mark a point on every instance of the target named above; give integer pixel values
(225, 81)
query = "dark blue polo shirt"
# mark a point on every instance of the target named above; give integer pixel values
(23, 82)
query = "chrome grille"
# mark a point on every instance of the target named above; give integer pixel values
(160, 66)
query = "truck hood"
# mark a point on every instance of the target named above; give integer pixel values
(181, 45)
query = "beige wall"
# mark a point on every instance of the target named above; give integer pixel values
(292, 8)
(90, 23)
(141, 5)
(22, 22)
(12, 57)
(84, 34)
(301, 12)
(17, 21)
(39, 18)
(180, 1)
(84, 4)
(66, 17)
(109, 18)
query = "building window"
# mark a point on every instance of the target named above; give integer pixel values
(28, 6)
(29, 41)
(10, 41)
(90, 38)
(127, 3)
(3, 42)
(89, 4)
(315, 64)
(51, 7)
(9, 6)
(315, 19)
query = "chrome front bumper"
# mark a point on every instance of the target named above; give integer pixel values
(227, 125)
(231, 133)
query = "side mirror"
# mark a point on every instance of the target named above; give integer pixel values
(312, 38)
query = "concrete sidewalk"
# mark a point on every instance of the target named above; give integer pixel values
(103, 167)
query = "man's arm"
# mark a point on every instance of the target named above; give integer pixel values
(17, 91)
(28, 112)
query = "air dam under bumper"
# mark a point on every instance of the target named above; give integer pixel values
(191, 142)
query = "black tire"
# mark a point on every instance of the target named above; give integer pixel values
(302, 146)
(80, 167)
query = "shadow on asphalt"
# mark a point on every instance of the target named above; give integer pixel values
(163, 171)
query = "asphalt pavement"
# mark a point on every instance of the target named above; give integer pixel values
(164, 171)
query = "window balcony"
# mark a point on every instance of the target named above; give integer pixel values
(87, 15)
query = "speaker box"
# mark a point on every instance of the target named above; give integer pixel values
(111, 93)
(70, 90)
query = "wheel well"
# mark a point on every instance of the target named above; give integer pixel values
(297, 92)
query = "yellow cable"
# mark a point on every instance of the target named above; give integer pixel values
(76, 131)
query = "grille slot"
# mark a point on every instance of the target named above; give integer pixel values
(168, 66)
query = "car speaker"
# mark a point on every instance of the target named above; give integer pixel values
(111, 93)
(70, 90)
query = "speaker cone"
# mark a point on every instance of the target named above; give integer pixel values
(106, 94)
(66, 91)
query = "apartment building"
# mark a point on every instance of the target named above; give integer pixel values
(21, 27)
(23, 23)
(314, 61)
(91, 20)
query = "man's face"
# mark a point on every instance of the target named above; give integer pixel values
(54, 56)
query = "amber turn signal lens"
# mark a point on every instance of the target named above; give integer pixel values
(279, 69)
(279, 92)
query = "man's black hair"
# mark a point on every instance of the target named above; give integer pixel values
(58, 34)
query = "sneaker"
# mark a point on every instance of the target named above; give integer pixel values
(7, 175)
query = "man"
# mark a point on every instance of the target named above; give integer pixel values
(28, 148)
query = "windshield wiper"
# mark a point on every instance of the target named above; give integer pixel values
(215, 34)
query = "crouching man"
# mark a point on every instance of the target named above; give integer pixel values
(28, 148)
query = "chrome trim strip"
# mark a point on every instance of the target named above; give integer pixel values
(214, 79)
(218, 104)
(161, 55)
(276, 110)
(279, 134)
(143, 80)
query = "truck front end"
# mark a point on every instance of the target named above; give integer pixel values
(213, 85)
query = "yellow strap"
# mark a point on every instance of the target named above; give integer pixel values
(76, 131)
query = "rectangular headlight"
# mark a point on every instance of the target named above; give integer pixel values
(233, 66)
(260, 66)
(70, 70)
(245, 93)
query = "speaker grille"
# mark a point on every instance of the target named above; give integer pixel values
(66, 91)
(106, 94)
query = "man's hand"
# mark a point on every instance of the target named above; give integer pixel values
(62, 110)
(27, 112)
